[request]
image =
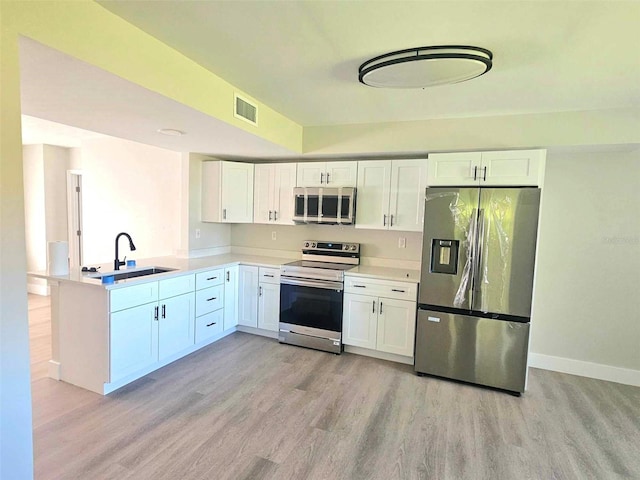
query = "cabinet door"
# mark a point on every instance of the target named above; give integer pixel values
(248, 296)
(406, 205)
(269, 306)
(133, 336)
(372, 207)
(359, 320)
(230, 297)
(310, 174)
(341, 174)
(396, 326)
(263, 193)
(176, 325)
(284, 182)
(453, 169)
(522, 167)
(237, 192)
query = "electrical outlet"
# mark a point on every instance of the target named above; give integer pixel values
(273, 235)
(402, 242)
(197, 233)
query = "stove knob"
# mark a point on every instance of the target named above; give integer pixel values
(313, 245)
(353, 247)
(306, 244)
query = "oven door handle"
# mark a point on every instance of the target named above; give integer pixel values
(337, 286)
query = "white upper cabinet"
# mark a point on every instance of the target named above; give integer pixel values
(391, 194)
(515, 167)
(273, 193)
(327, 174)
(227, 192)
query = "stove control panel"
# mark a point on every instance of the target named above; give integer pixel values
(319, 245)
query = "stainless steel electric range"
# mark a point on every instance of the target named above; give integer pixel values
(311, 294)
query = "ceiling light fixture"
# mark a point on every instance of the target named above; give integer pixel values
(422, 67)
(171, 132)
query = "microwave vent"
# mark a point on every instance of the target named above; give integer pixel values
(245, 110)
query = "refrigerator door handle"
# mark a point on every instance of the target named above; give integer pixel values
(473, 253)
(477, 296)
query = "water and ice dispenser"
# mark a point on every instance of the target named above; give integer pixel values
(444, 256)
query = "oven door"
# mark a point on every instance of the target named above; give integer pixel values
(311, 303)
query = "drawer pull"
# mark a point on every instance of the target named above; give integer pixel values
(359, 286)
(212, 298)
(267, 275)
(211, 324)
(398, 290)
(212, 278)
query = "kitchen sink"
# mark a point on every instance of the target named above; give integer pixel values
(143, 272)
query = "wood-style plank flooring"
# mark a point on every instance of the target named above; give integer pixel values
(249, 408)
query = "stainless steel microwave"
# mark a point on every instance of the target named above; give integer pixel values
(324, 205)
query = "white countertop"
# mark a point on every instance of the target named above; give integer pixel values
(385, 273)
(180, 266)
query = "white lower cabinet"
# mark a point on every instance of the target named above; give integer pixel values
(209, 325)
(248, 296)
(230, 297)
(382, 317)
(269, 306)
(259, 297)
(176, 325)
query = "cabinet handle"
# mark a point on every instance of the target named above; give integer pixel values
(267, 275)
(391, 221)
(373, 308)
(269, 215)
(211, 324)
(259, 291)
(164, 311)
(484, 177)
(212, 298)
(228, 277)
(212, 278)
(398, 290)
(380, 308)
(475, 172)
(384, 220)
(275, 215)
(359, 286)
(224, 213)
(327, 178)
(155, 316)
(321, 178)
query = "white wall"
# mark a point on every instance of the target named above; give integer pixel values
(129, 187)
(56, 164)
(587, 297)
(375, 243)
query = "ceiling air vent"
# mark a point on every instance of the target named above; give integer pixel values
(245, 110)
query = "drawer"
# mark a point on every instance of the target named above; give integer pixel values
(173, 287)
(127, 297)
(269, 275)
(208, 325)
(381, 288)
(209, 278)
(209, 299)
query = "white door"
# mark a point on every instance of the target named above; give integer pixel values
(230, 297)
(311, 174)
(133, 336)
(248, 296)
(263, 193)
(237, 192)
(359, 320)
(520, 167)
(449, 169)
(176, 325)
(341, 174)
(396, 326)
(372, 207)
(284, 182)
(269, 306)
(408, 185)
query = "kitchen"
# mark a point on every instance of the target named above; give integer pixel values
(568, 176)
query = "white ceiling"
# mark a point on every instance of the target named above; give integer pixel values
(301, 58)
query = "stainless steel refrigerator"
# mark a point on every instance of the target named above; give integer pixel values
(476, 284)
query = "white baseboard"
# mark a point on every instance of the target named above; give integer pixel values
(38, 289)
(581, 368)
(54, 369)
(392, 357)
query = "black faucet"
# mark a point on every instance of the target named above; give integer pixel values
(132, 247)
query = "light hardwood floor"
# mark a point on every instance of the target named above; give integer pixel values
(249, 408)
